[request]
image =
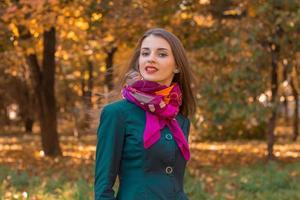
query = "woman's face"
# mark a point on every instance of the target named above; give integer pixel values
(156, 60)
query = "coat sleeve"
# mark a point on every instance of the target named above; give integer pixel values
(110, 137)
(187, 127)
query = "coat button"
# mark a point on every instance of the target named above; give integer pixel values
(169, 170)
(168, 136)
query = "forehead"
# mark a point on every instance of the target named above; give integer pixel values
(155, 42)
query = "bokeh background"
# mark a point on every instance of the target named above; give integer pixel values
(61, 59)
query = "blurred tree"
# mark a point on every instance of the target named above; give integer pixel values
(277, 23)
(22, 18)
(15, 82)
(233, 47)
(230, 81)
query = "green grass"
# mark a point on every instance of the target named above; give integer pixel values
(260, 182)
(19, 185)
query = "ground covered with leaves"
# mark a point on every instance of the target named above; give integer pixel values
(217, 170)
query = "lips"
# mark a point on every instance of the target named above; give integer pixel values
(151, 69)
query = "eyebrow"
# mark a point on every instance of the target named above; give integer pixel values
(161, 48)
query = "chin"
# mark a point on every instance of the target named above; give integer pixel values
(149, 79)
(152, 78)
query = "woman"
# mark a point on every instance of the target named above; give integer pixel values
(143, 138)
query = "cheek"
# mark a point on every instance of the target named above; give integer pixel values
(141, 61)
(142, 58)
(170, 65)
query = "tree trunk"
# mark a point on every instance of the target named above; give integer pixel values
(84, 122)
(274, 103)
(286, 109)
(25, 98)
(109, 68)
(6, 117)
(28, 125)
(271, 136)
(285, 102)
(44, 83)
(296, 115)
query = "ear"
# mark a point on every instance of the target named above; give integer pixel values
(176, 71)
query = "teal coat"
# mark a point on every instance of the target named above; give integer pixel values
(145, 174)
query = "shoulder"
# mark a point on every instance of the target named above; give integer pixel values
(184, 119)
(115, 106)
(119, 107)
(113, 112)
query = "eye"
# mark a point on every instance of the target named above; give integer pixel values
(162, 54)
(144, 53)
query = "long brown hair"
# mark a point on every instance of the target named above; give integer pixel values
(185, 78)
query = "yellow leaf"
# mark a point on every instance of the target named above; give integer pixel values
(204, 2)
(103, 68)
(96, 16)
(86, 75)
(77, 73)
(77, 13)
(14, 29)
(185, 15)
(82, 24)
(65, 56)
(15, 43)
(36, 34)
(30, 51)
(109, 38)
(252, 11)
(201, 20)
(71, 35)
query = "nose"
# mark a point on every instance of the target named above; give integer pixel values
(151, 58)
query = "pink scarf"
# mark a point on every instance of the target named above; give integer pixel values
(161, 104)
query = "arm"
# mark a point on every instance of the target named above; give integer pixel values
(110, 136)
(187, 127)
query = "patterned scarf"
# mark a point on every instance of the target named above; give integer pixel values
(161, 104)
